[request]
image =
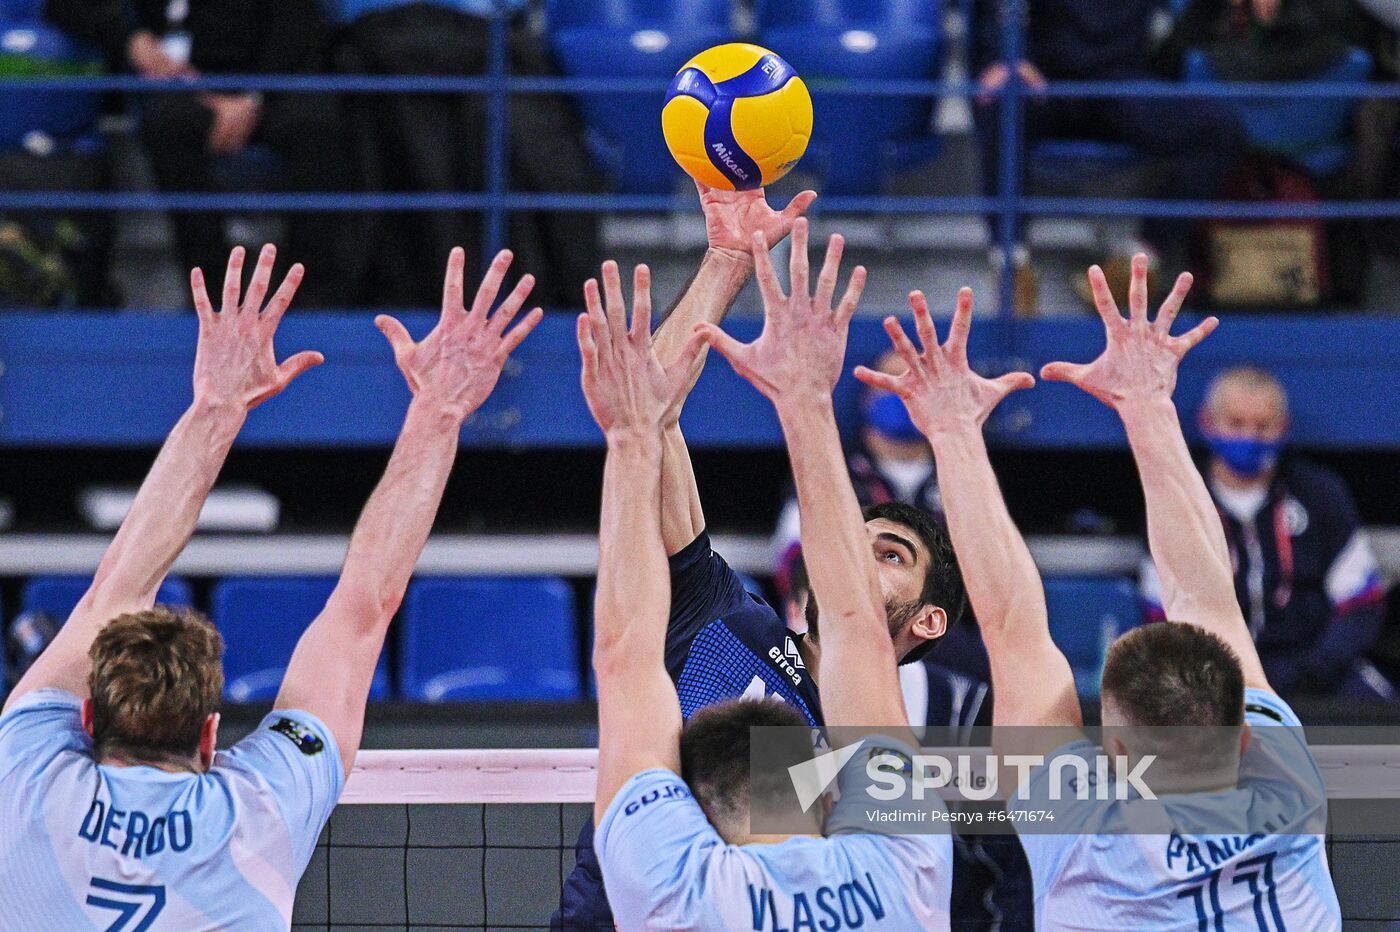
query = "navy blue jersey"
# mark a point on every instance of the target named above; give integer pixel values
(722, 642)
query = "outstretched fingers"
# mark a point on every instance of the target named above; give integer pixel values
(233, 280)
(881, 380)
(517, 335)
(923, 325)
(1103, 300)
(1137, 289)
(1193, 337)
(1071, 372)
(511, 305)
(767, 277)
(902, 346)
(202, 307)
(490, 286)
(296, 364)
(1013, 382)
(797, 207)
(830, 273)
(262, 277)
(615, 304)
(1172, 305)
(798, 260)
(641, 303)
(597, 318)
(961, 326)
(453, 289)
(851, 299)
(728, 347)
(282, 298)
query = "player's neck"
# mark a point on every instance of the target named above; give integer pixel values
(811, 658)
(776, 839)
(169, 764)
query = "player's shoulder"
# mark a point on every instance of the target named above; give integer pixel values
(1265, 707)
(41, 726)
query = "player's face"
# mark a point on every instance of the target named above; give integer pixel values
(901, 560)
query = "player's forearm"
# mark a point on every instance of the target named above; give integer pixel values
(163, 515)
(395, 523)
(708, 298)
(634, 583)
(834, 542)
(1003, 583)
(1183, 527)
(682, 517)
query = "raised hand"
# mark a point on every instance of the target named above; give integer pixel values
(733, 217)
(625, 385)
(940, 390)
(802, 348)
(234, 361)
(1141, 358)
(458, 364)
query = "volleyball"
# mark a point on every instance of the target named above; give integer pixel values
(737, 117)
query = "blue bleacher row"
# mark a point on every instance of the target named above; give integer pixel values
(858, 141)
(488, 639)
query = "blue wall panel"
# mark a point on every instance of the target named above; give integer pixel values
(122, 380)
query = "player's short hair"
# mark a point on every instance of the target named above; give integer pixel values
(715, 760)
(157, 675)
(1172, 673)
(943, 582)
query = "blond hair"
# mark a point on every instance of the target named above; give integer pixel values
(157, 675)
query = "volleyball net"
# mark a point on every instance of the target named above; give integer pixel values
(484, 839)
(475, 839)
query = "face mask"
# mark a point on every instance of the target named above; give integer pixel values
(1246, 456)
(885, 412)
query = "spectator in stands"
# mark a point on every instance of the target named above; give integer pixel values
(1262, 40)
(1196, 143)
(1305, 576)
(439, 142)
(186, 134)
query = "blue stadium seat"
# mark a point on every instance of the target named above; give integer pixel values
(261, 619)
(1086, 614)
(858, 141)
(1312, 131)
(21, 11)
(57, 596)
(633, 39)
(39, 50)
(489, 638)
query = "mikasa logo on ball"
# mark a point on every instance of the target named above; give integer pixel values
(728, 159)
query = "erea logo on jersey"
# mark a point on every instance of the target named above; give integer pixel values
(306, 740)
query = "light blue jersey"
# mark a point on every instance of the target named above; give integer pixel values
(1269, 875)
(665, 867)
(132, 849)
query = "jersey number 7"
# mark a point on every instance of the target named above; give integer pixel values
(1258, 873)
(136, 906)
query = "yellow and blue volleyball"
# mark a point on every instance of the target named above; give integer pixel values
(737, 117)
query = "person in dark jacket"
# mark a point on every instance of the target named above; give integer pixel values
(1305, 575)
(187, 133)
(1196, 143)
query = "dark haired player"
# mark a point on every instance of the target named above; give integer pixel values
(117, 811)
(681, 853)
(1261, 864)
(721, 641)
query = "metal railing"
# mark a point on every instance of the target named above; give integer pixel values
(496, 202)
